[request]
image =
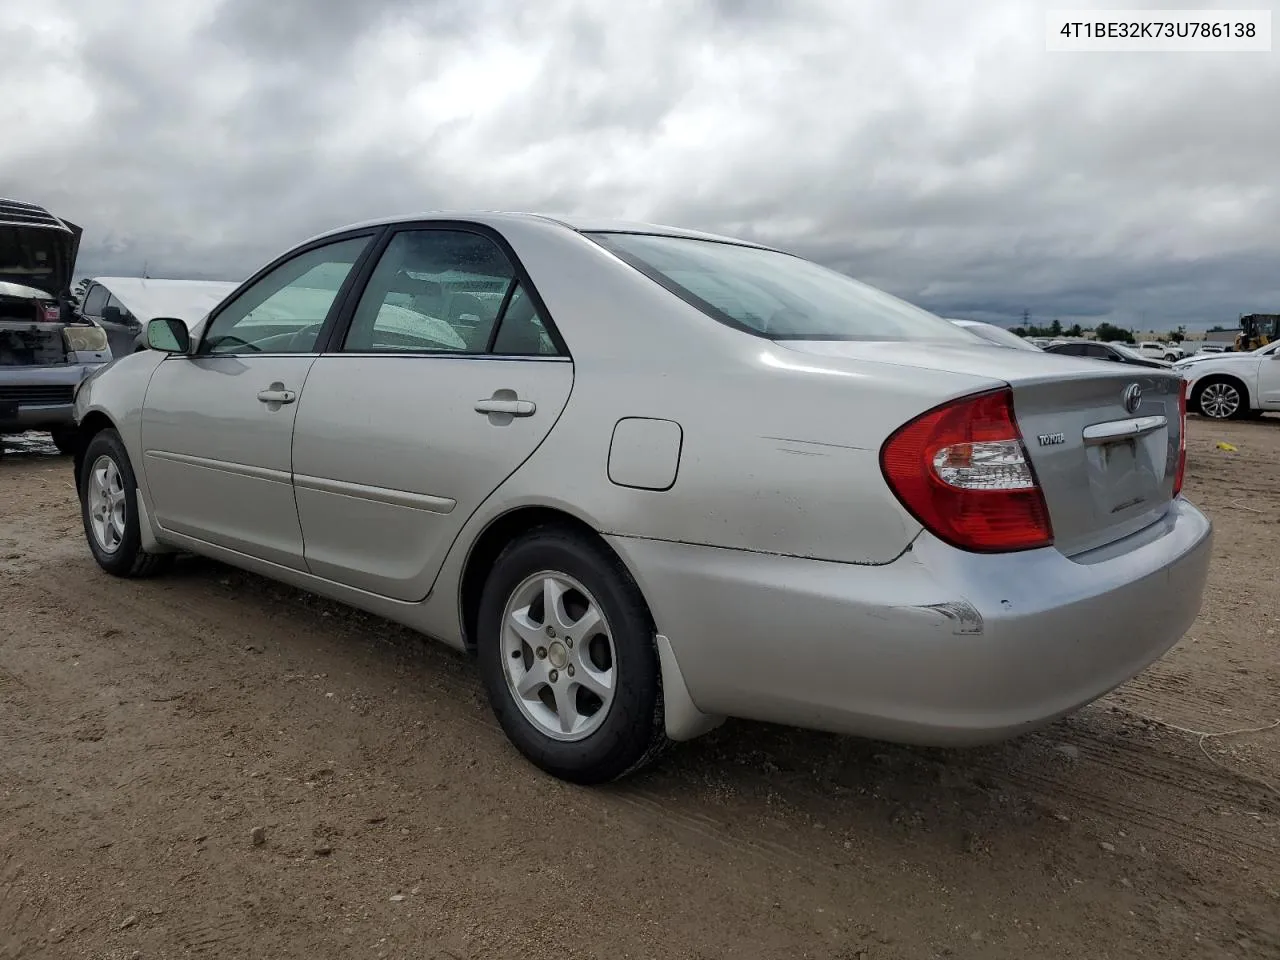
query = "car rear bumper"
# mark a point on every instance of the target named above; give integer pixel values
(940, 647)
(38, 398)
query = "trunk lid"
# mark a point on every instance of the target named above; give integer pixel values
(1103, 437)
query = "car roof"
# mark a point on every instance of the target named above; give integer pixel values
(496, 218)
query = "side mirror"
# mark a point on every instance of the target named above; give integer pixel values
(168, 335)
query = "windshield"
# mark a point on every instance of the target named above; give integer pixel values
(773, 294)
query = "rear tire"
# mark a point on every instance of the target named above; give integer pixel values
(109, 509)
(586, 708)
(1221, 398)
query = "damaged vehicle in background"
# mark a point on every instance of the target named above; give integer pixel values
(123, 306)
(45, 349)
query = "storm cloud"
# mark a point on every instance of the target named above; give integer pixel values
(929, 147)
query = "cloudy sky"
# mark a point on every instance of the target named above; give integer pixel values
(932, 147)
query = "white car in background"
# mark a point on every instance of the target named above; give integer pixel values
(1155, 350)
(1227, 386)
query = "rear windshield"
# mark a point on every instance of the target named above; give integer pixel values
(999, 335)
(775, 295)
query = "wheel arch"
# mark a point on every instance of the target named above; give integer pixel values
(92, 424)
(493, 539)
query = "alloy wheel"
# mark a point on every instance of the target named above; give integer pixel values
(1219, 401)
(558, 656)
(106, 504)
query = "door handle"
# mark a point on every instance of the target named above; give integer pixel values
(516, 408)
(276, 395)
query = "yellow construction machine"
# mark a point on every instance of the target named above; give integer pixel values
(1257, 330)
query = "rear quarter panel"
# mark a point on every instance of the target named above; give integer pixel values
(772, 460)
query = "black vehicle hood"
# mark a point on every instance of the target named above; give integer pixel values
(37, 249)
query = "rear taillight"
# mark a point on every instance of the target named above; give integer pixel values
(1182, 438)
(962, 471)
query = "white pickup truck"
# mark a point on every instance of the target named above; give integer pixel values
(1226, 386)
(1155, 350)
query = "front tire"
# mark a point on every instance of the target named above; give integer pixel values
(567, 656)
(1221, 399)
(109, 509)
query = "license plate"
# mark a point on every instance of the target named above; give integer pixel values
(1119, 455)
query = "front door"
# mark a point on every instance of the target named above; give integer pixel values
(446, 381)
(217, 426)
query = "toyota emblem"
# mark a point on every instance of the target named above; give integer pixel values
(1132, 397)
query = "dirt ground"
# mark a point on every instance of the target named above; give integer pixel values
(147, 729)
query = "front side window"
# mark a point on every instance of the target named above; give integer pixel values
(116, 312)
(284, 311)
(432, 291)
(775, 295)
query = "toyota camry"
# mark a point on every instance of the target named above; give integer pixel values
(652, 478)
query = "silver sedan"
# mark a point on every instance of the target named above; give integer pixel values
(653, 478)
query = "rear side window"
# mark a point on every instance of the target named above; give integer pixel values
(522, 333)
(446, 291)
(775, 295)
(432, 291)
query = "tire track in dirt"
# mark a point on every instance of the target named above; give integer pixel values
(153, 610)
(1147, 776)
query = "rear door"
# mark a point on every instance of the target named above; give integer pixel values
(217, 426)
(447, 378)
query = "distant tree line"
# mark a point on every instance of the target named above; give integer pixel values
(1108, 332)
